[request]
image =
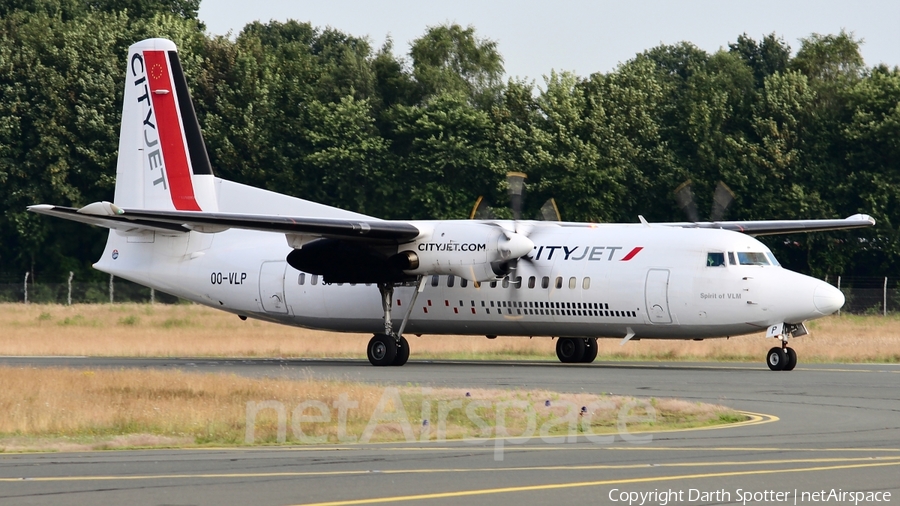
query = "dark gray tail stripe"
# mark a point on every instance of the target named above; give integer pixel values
(196, 146)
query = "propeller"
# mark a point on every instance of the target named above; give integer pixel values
(516, 188)
(516, 185)
(519, 235)
(549, 211)
(518, 243)
(722, 199)
(482, 211)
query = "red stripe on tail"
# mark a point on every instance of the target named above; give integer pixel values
(171, 135)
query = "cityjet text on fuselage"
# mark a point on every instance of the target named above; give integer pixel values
(586, 253)
(451, 246)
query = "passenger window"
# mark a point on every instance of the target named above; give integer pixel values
(435, 280)
(715, 259)
(572, 283)
(463, 282)
(476, 284)
(506, 282)
(545, 282)
(586, 283)
(450, 280)
(314, 279)
(518, 281)
(493, 284)
(531, 282)
(302, 278)
(559, 282)
(731, 258)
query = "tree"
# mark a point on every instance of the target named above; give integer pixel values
(451, 59)
(768, 57)
(445, 158)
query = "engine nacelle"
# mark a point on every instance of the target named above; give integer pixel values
(474, 251)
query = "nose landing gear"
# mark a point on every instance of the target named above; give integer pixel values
(782, 358)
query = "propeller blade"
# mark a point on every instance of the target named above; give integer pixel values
(482, 211)
(685, 198)
(516, 181)
(549, 211)
(722, 198)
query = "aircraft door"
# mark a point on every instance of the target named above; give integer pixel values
(271, 287)
(656, 293)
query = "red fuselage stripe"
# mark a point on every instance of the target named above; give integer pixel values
(632, 253)
(171, 136)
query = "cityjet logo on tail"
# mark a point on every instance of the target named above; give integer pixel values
(150, 133)
(588, 253)
(164, 141)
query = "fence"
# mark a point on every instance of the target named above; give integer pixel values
(71, 292)
(868, 294)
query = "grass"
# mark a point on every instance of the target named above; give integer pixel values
(68, 409)
(146, 330)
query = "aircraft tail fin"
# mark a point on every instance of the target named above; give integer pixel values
(163, 163)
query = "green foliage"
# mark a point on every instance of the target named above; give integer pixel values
(130, 320)
(450, 59)
(320, 114)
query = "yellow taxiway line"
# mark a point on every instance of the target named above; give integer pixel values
(556, 486)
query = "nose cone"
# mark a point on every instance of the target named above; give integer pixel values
(828, 299)
(516, 246)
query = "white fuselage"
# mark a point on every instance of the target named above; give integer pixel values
(587, 281)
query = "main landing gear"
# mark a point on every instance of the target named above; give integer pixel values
(391, 348)
(781, 358)
(571, 350)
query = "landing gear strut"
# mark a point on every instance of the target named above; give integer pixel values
(572, 350)
(782, 358)
(391, 348)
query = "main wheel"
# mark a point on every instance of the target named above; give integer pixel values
(402, 352)
(776, 359)
(791, 359)
(382, 350)
(590, 350)
(569, 349)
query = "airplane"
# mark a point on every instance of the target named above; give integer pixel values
(176, 227)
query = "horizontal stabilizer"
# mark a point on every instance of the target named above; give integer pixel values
(107, 221)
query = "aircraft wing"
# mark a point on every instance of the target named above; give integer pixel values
(774, 227)
(108, 215)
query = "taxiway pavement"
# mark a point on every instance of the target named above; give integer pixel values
(820, 429)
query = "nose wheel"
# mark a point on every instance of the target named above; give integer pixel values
(781, 358)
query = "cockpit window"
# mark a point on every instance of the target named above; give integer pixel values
(773, 259)
(752, 258)
(731, 258)
(715, 259)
